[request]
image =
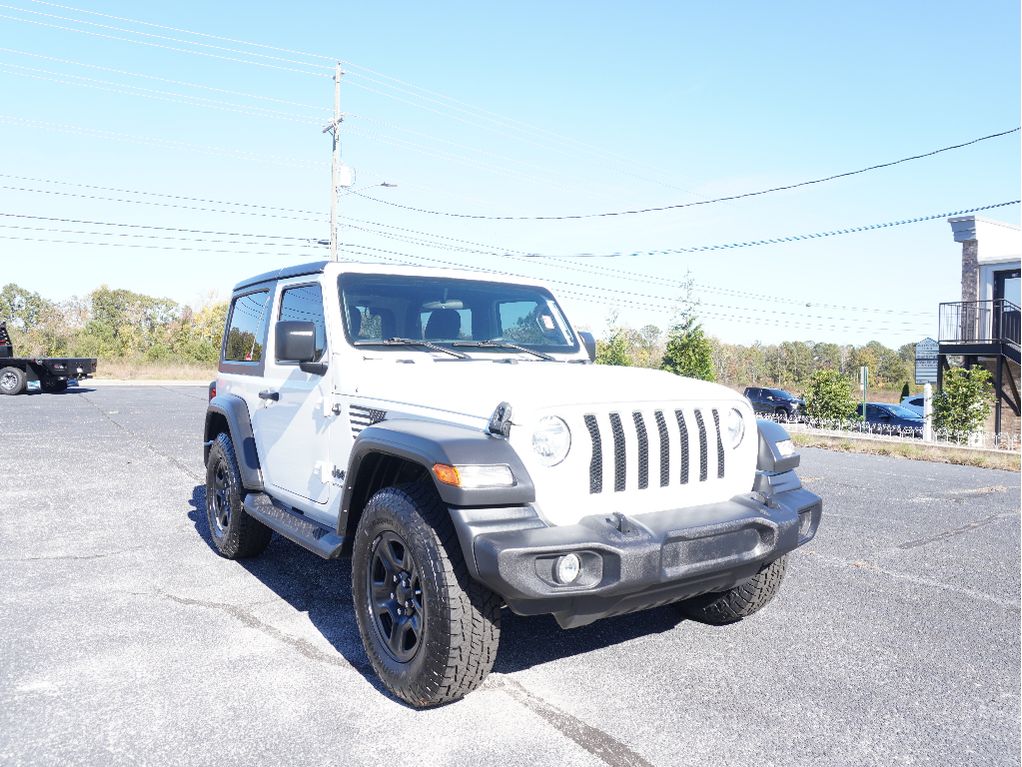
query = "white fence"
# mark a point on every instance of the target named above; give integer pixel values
(984, 440)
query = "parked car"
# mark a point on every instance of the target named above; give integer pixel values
(898, 418)
(913, 403)
(776, 402)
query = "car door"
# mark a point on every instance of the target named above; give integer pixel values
(294, 423)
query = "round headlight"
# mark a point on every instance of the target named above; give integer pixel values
(551, 440)
(735, 427)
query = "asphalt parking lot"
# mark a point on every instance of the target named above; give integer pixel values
(125, 640)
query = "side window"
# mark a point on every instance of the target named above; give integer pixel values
(245, 340)
(305, 304)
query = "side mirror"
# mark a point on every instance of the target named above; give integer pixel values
(295, 341)
(589, 342)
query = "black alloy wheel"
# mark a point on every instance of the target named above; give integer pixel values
(235, 534)
(394, 592)
(220, 499)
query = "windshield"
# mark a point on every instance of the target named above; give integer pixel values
(902, 412)
(781, 394)
(379, 307)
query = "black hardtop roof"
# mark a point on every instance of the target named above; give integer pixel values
(315, 267)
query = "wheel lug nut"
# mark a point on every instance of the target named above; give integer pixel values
(400, 611)
(392, 595)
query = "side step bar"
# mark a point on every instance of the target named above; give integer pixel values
(313, 536)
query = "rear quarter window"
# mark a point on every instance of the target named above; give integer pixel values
(246, 330)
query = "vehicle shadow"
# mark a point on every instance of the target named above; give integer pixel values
(69, 390)
(322, 589)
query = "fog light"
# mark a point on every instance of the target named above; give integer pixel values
(568, 568)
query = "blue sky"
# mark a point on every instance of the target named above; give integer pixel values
(525, 109)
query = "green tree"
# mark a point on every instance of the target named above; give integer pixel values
(614, 350)
(963, 403)
(829, 395)
(826, 356)
(20, 308)
(688, 351)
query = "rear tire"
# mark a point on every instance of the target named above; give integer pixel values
(430, 631)
(740, 602)
(12, 381)
(235, 534)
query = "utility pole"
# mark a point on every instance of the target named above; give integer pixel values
(334, 128)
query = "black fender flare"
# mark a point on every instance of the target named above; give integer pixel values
(234, 411)
(427, 443)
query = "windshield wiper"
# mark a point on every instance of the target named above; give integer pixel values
(494, 343)
(414, 342)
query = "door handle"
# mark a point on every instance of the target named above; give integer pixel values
(274, 395)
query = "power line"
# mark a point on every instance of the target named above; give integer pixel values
(230, 251)
(635, 295)
(485, 249)
(151, 93)
(166, 143)
(779, 240)
(157, 45)
(121, 190)
(682, 205)
(304, 242)
(153, 203)
(178, 29)
(166, 38)
(171, 81)
(603, 300)
(402, 86)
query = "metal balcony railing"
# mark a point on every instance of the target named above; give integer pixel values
(980, 322)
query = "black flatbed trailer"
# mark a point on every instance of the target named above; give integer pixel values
(51, 374)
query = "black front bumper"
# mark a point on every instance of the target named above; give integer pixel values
(634, 563)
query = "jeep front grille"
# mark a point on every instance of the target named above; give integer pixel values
(677, 445)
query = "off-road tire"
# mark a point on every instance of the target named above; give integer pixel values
(54, 385)
(239, 536)
(12, 380)
(740, 602)
(460, 617)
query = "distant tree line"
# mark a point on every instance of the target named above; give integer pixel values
(113, 325)
(686, 349)
(116, 324)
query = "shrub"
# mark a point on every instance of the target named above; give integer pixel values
(961, 406)
(829, 395)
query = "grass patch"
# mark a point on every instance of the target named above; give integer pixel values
(126, 370)
(984, 459)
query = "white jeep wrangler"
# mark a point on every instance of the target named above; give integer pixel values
(449, 430)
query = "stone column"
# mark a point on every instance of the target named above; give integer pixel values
(970, 270)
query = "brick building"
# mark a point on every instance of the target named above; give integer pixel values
(983, 327)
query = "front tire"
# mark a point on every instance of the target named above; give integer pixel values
(430, 631)
(12, 381)
(235, 534)
(740, 602)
